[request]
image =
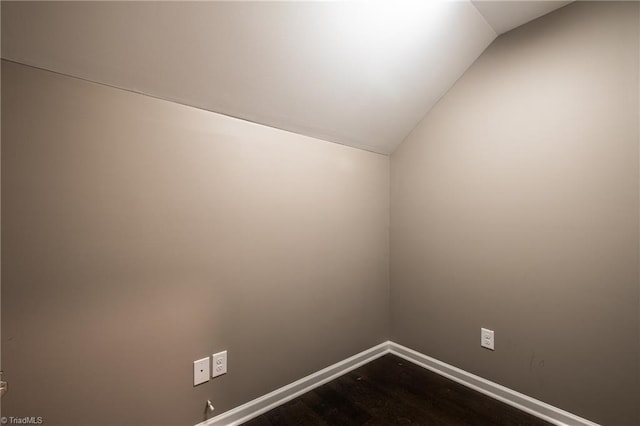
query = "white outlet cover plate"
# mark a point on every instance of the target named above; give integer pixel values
(219, 364)
(486, 338)
(200, 371)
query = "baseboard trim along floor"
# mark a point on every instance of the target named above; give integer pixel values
(251, 409)
(520, 401)
(258, 406)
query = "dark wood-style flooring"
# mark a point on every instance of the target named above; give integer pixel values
(392, 391)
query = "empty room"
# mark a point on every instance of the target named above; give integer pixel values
(279, 213)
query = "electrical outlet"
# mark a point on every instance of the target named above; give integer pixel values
(486, 338)
(219, 364)
(200, 371)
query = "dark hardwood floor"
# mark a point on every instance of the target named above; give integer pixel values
(392, 391)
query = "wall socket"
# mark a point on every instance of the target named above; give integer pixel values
(486, 338)
(219, 364)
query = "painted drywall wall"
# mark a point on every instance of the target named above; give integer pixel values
(514, 206)
(139, 235)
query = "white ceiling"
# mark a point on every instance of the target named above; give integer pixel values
(506, 15)
(357, 73)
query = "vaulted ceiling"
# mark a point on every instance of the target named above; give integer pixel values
(357, 73)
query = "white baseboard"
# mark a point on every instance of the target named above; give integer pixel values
(520, 401)
(254, 408)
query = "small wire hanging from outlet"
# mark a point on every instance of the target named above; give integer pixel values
(208, 410)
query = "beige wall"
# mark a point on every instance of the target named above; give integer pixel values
(514, 206)
(139, 235)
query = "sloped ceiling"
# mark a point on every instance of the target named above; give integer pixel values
(504, 15)
(357, 73)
